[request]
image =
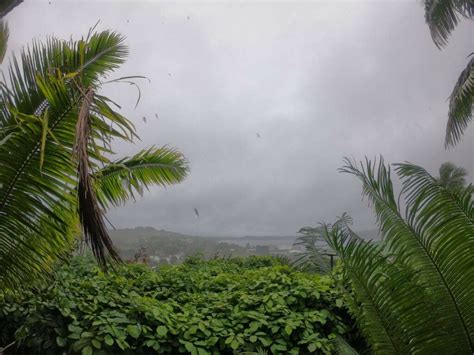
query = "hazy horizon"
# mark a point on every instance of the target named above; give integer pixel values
(223, 236)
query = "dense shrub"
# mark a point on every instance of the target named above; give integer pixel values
(199, 307)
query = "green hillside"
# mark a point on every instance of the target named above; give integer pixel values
(161, 246)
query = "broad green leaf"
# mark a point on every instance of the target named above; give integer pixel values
(134, 331)
(61, 341)
(108, 340)
(162, 330)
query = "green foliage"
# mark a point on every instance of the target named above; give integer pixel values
(413, 293)
(460, 105)
(122, 179)
(451, 177)
(255, 304)
(442, 17)
(4, 33)
(312, 258)
(50, 103)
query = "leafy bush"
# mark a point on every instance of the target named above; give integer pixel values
(199, 307)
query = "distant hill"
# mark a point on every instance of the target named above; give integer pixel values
(161, 244)
(132, 236)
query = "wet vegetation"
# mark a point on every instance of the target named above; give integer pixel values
(411, 292)
(200, 307)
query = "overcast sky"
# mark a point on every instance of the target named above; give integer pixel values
(317, 81)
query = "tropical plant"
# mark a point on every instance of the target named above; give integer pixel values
(460, 105)
(311, 258)
(4, 33)
(56, 172)
(451, 177)
(413, 292)
(442, 18)
(220, 306)
(5, 7)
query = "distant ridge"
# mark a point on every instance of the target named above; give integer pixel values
(153, 232)
(165, 245)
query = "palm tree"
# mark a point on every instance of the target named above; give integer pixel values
(442, 18)
(312, 258)
(413, 292)
(56, 131)
(451, 177)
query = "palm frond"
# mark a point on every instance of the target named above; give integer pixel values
(442, 17)
(460, 105)
(312, 258)
(395, 308)
(39, 176)
(124, 178)
(4, 34)
(42, 255)
(403, 238)
(90, 213)
(342, 347)
(444, 222)
(86, 60)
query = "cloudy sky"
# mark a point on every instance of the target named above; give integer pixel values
(316, 80)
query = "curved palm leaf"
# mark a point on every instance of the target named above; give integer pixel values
(460, 105)
(444, 222)
(42, 255)
(4, 34)
(342, 347)
(442, 16)
(395, 310)
(427, 240)
(124, 178)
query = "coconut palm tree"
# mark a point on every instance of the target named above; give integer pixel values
(413, 292)
(451, 177)
(442, 18)
(57, 177)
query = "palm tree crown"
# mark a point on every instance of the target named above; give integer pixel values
(56, 172)
(451, 177)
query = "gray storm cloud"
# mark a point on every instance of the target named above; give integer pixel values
(317, 82)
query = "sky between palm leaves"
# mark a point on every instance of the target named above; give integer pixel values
(316, 81)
